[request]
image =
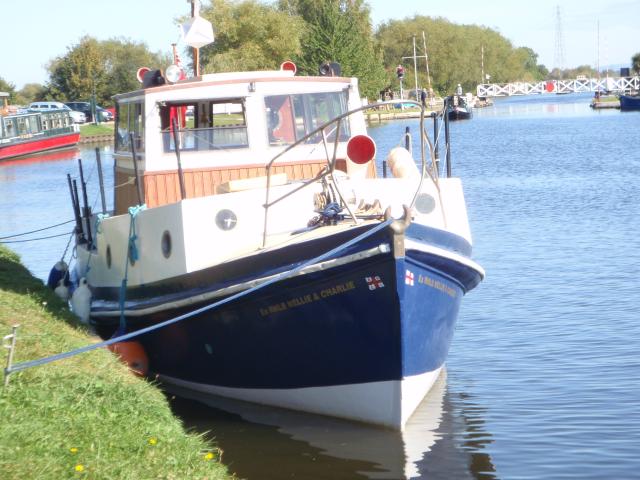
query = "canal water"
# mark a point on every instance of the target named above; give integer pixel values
(543, 378)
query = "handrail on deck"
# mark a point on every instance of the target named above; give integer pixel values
(331, 159)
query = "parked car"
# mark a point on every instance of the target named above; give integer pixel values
(106, 114)
(85, 107)
(77, 117)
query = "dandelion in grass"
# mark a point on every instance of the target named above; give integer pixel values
(208, 456)
(79, 468)
(153, 441)
(73, 450)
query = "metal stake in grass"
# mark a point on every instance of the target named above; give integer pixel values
(9, 342)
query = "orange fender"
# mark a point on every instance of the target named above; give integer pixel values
(133, 355)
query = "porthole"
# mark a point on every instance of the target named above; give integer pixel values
(166, 244)
(425, 203)
(226, 219)
(108, 255)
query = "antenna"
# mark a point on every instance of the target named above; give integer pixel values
(559, 51)
(598, 62)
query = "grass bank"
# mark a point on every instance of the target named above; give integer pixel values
(89, 129)
(86, 416)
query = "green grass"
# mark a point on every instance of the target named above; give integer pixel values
(86, 416)
(101, 129)
(608, 99)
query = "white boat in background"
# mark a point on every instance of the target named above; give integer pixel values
(257, 253)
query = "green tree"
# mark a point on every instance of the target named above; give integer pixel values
(31, 92)
(79, 73)
(9, 88)
(339, 31)
(103, 68)
(635, 63)
(457, 54)
(122, 58)
(249, 36)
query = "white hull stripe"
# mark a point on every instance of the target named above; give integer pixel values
(389, 403)
(441, 252)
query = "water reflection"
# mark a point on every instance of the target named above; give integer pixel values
(34, 194)
(445, 438)
(51, 156)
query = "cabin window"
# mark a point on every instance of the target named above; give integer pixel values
(34, 125)
(10, 127)
(291, 117)
(23, 127)
(129, 120)
(204, 125)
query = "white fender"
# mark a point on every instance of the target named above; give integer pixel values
(81, 301)
(62, 290)
(401, 164)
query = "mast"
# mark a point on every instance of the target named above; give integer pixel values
(195, 11)
(415, 62)
(598, 59)
(415, 66)
(426, 58)
(482, 64)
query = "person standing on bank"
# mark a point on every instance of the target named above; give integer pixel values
(423, 97)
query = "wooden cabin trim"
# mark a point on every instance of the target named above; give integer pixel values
(163, 187)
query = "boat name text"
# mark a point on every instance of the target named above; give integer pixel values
(308, 298)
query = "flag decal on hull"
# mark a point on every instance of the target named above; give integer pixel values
(374, 282)
(408, 278)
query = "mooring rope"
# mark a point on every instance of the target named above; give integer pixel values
(282, 276)
(34, 239)
(38, 230)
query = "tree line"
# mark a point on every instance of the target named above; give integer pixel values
(251, 35)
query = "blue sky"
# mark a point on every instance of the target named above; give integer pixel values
(36, 31)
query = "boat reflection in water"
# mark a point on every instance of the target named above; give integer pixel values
(48, 156)
(443, 439)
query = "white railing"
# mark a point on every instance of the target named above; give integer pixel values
(617, 84)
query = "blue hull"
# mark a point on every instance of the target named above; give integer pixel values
(331, 330)
(629, 102)
(379, 318)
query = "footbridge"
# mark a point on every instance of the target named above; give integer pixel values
(612, 84)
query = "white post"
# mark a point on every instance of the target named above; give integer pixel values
(12, 347)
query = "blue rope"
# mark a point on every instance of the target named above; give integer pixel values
(133, 255)
(331, 211)
(99, 219)
(121, 338)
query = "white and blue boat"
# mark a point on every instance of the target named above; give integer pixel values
(251, 224)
